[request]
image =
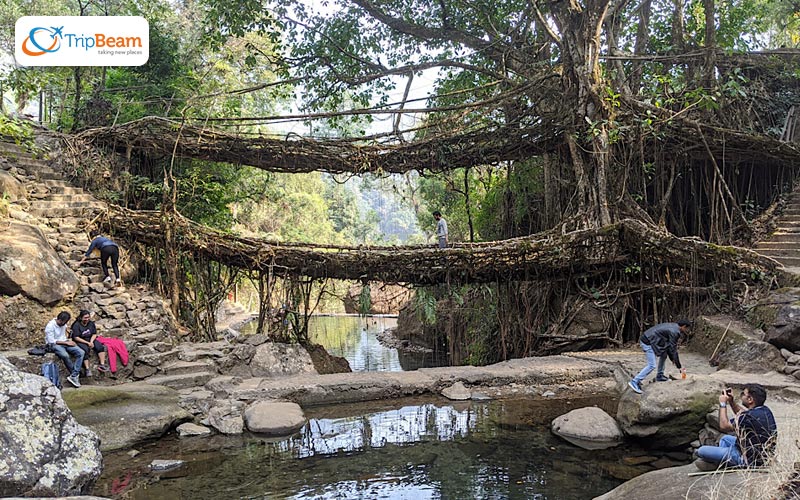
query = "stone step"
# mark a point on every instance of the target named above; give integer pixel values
(778, 245)
(32, 164)
(77, 212)
(791, 210)
(9, 148)
(186, 367)
(64, 188)
(775, 253)
(783, 237)
(789, 261)
(788, 218)
(183, 381)
(47, 203)
(71, 197)
(48, 176)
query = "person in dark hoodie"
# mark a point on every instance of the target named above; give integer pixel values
(108, 250)
(660, 341)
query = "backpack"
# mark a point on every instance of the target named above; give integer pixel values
(50, 372)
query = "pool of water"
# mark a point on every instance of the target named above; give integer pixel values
(355, 339)
(408, 449)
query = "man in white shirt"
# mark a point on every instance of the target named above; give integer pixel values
(55, 334)
(441, 229)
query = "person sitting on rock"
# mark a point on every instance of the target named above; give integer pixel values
(755, 432)
(660, 341)
(55, 334)
(84, 334)
(108, 250)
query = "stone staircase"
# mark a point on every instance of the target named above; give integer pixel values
(783, 244)
(63, 212)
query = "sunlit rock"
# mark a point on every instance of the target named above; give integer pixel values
(456, 392)
(189, 429)
(275, 419)
(668, 414)
(590, 428)
(45, 452)
(279, 360)
(30, 266)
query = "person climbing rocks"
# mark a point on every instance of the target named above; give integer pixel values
(84, 334)
(755, 433)
(108, 250)
(441, 229)
(660, 341)
(55, 335)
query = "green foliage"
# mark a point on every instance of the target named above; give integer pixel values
(365, 299)
(425, 306)
(18, 131)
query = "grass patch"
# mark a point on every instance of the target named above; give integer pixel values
(95, 396)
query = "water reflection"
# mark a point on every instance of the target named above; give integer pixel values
(355, 339)
(426, 450)
(403, 426)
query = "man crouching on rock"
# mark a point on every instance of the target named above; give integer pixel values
(753, 424)
(660, 341)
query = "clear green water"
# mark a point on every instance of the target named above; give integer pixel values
(412, 449)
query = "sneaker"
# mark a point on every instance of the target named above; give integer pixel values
(633, 385)
(88, 372)
(662, 379)
(72, 379)
(102, 368)
(107, 280)
(118, 282)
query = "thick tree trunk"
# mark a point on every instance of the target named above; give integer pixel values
(580, 45)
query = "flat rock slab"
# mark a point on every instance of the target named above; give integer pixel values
(675, 482)
(274, 418)
(189, 429)
(311, 389)
(126, 414)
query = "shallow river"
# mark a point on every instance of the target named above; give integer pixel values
(406, 449)
(355, 339)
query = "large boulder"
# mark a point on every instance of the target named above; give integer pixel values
(274, 418)
(778, 315)
(126, 414)
(45, 452)
(273, 359)
(30, 266)
(739, 346)
(590, 428)
(668, 414)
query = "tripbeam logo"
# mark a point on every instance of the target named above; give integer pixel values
(82, 41)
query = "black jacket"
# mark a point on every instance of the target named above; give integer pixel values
(663, 338)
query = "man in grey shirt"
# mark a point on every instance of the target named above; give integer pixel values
(441, 229)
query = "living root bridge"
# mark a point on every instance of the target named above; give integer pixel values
(586, 251)
(156, 136)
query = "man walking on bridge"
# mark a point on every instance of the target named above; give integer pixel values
(441, 229)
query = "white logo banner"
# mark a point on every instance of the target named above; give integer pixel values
(82, 41)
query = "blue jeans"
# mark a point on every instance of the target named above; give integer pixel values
(64, 351)
(651, 364)
(726, 454)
